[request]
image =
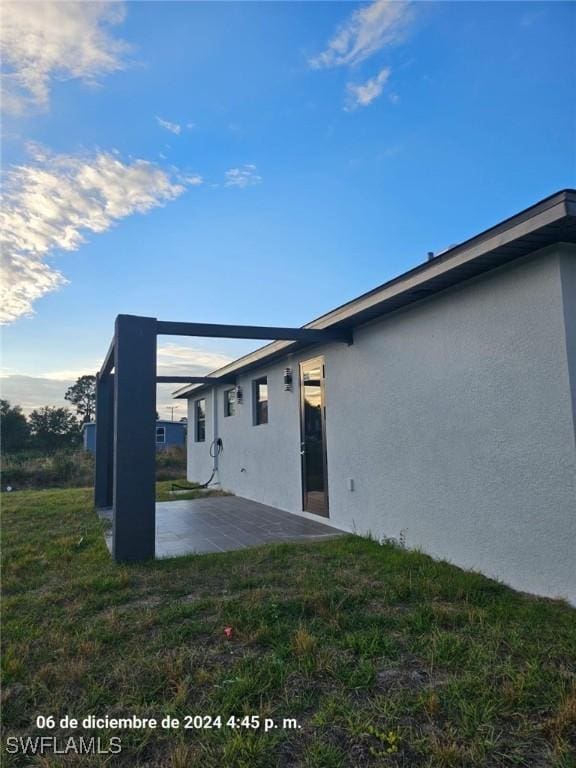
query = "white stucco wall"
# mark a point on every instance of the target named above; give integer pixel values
(454, 417)
(259, 462)
(568, 274)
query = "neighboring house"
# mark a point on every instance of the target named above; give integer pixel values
(168, 434)
(448, 424)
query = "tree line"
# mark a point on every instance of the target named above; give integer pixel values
(49, 428)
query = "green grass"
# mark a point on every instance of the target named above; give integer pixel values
(165, 492)
(384, 657)
(74, 468)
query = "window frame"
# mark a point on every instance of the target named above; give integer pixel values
(260, 415)
(229, 405)
(199, 421)
(163, 430)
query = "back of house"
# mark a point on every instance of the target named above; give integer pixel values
(449, 422)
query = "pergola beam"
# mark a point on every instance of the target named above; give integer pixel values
(196, 379)
(308, 335)
(108, 363)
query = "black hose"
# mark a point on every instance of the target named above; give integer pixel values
(216, 448)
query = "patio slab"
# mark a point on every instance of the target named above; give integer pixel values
(223, 523)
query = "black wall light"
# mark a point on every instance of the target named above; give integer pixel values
(288, 379)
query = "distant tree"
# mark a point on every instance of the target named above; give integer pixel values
(53, 428)
(83, 396)
(13, 426)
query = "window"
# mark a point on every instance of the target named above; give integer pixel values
(229, 402)
(260, 390)
(200, 419)
(160, 434)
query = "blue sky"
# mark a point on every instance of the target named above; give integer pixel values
(295, 155)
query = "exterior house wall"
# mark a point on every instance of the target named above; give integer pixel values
(454, 418)
(258, 462)
(175, 434)
(89, 437)
(568, 273)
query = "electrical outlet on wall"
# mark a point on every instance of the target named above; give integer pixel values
(350, 483)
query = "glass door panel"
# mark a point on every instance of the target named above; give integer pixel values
(313, 436)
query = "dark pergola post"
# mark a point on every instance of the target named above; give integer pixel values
(134, 438)
(104, 452)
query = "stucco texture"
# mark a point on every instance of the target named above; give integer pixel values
(454, 417)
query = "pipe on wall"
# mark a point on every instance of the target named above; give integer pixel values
(216, 452)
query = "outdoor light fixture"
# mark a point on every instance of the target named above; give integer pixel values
(288, 379)
(239, 394)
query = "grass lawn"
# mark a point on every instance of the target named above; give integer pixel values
(384, 657)
(164, 491)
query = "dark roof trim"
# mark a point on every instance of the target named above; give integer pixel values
(552, 220)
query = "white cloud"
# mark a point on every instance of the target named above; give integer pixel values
(245, 176)
(30, 392)
(48, 388)
(194, 180)
(47, 41)
(364, 94)
(365, 32)
(174, 128)
(71, 374)
(180, 360)
(168, 126)
(48, 206)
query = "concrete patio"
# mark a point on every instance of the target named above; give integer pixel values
(223, 523)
